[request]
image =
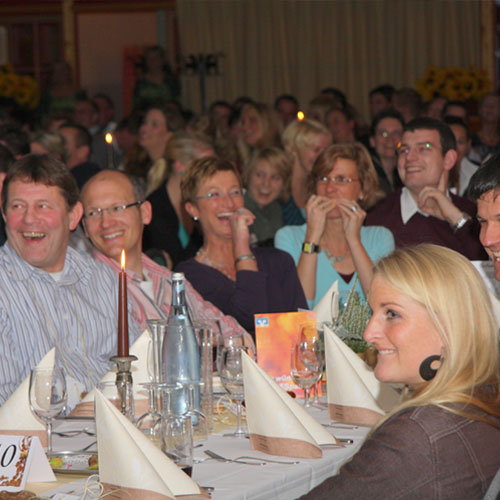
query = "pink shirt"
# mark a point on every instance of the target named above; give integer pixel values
(144, 307)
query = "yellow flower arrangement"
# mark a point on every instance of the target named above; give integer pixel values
(454, 83)
(21, 90)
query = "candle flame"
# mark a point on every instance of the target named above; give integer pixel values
(123, 259)
(300, 116)
(109, 138)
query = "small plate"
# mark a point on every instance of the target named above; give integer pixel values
(74, 462)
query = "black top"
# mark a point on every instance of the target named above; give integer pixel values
(162, 233)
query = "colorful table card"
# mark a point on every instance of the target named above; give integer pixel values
(274, 334)
(22, 460)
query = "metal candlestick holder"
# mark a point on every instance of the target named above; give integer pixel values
(124, 383)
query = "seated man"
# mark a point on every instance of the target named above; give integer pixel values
(484, 188)
(50, 295)
(423, 211)
(114, 218)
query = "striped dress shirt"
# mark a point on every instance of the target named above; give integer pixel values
(76, 314)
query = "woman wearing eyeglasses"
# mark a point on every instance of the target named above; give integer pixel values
(333, 245)
(239, 280)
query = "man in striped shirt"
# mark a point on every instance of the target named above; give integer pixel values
(51, 295)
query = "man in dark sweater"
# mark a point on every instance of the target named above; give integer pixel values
(424, 211)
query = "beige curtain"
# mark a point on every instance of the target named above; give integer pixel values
(271, 47)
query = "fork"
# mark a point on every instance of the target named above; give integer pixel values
(283, 462)
(74, 433)
(220, 458)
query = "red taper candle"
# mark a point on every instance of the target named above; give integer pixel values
(122, 310)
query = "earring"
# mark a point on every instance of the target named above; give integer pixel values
(195, 218)
(425, 370)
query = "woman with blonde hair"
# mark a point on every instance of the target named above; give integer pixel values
(171, 228)
(147, 158)
(52, 143)
(305, 140)
(434, 331)
(239, 279)
(267, 182)
(333, 245)
(259, 127)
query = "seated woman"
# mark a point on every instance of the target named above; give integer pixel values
(171, 229)
(267, 179)
(305, 140)
(333, 245)
(146, 158)
(434, 330)
(385, 133)
(238, 280)
(259, 127)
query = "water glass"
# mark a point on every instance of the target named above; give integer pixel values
(48, 396)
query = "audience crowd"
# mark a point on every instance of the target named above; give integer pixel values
(260, 208)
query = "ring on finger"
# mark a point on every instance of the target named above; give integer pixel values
(354, 208)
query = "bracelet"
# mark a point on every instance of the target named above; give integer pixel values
(244, 257)
(309, 247)
(461, 222)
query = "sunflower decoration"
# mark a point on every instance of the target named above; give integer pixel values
(454, 83)
(18, 90)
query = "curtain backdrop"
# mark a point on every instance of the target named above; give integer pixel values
(271, 47)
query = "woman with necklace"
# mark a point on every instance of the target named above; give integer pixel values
(333, 245)
(239, 280)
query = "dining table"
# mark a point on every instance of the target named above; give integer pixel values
(266, 480)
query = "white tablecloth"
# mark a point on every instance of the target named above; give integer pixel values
(244, 482)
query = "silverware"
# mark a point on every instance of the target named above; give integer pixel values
(341, 426)
(74, 433)
(345, 440)
(89, 446)
(220, 458)
(284, 462)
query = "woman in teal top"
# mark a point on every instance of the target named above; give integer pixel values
(333, 245)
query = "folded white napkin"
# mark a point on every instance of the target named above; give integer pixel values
(140, 374)
(328, 306)
(16, 416)
(354, 394)
(131, 465)
(277, 424)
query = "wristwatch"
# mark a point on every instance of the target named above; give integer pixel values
(310, 247)
(461, 222)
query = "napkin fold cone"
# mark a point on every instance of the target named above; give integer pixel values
(16, 417)
(140, 375)
(355, 396)
(328, 306)
(131, 466)
(277, 424)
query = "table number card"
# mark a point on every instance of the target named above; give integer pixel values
(22, 459)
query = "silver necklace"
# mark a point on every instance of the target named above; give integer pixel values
(333, 260)
(225, 269)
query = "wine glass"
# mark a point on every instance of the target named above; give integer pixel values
(48, 396)
(305, 366)
(231, 374)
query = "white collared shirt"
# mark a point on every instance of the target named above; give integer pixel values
(409, 206)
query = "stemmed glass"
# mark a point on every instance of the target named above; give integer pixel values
(149, 422)
(198, 418)
(305, 365)
(48, 396)
(231, 374)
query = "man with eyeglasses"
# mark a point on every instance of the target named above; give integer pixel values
(424, 211)
(51, 295)
(114, 219)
